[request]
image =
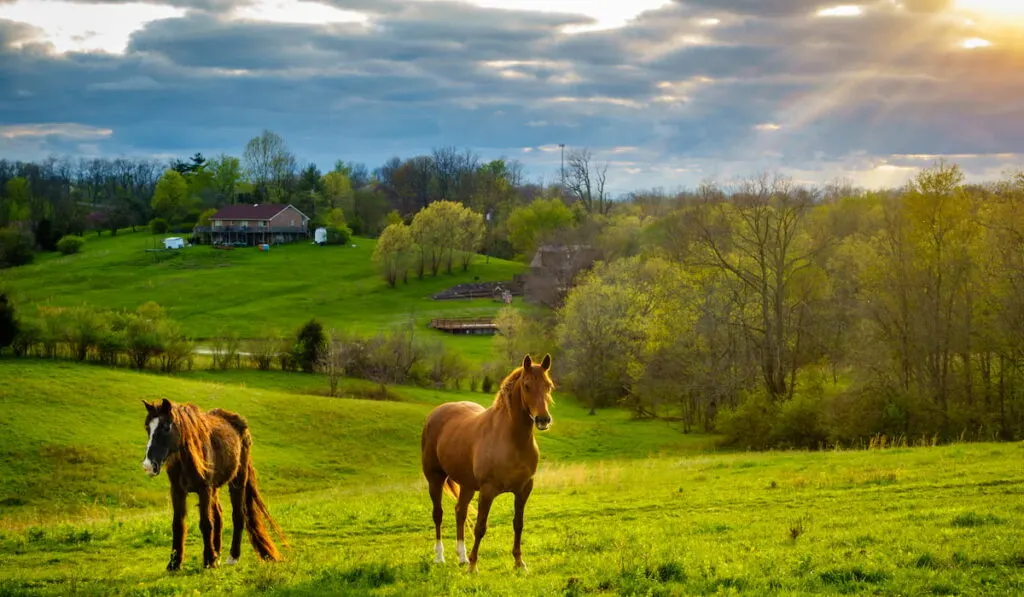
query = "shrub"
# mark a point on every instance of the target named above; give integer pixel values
(339, 235)
(8, 323)
(16, 246)
(158, 226)
(751, 423)
(309, 345)
(69, 244)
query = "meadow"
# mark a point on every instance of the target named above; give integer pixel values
(251, 293)
(620, 506)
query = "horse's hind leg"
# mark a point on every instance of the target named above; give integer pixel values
(237, 519)
(206, 518)
(218, 522)
(487, 495)
(461, 512)
(436, 488)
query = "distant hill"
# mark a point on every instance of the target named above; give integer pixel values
(211, 291)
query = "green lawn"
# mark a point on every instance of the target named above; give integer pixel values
(620, 507)
(250, 292)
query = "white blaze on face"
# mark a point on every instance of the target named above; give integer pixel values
(146, 464)
(439, 550)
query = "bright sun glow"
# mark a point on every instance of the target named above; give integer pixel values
(607, 15)
(846, 10)
(86, 27)
(975, 42)
(299, 12)
(992, 9)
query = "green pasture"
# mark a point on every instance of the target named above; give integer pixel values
(212, 292)
(621, 507)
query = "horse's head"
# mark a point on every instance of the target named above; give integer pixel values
(535, 391)
(163, 437)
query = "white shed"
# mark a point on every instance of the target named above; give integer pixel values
(320, 236)
(174, 242)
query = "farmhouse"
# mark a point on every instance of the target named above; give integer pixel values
(266, 223)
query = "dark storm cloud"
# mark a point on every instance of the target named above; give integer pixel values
(425, 74)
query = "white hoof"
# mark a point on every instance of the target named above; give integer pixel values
(231, 561)
(439, 551)
(460, 549)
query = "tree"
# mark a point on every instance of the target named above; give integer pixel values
(585, 181)
(338, 191)
(530, 225)
(395, 252)
(469, 236)
(171, 198)
(334, 360)
(759, 242)
(436, 230)
(226, 172)
(269, 164)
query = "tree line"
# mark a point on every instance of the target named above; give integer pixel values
(42, 202)
(782, 315)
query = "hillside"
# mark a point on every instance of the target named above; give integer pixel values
(619, 507)
(249, 292)
(71, 436)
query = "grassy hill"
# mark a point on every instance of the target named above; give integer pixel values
(620, 507)
(250, 292)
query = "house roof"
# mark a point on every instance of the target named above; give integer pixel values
(242, 211)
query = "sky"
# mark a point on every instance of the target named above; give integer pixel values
(668, 93)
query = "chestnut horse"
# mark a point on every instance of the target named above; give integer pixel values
(467, 448)
(203, 451)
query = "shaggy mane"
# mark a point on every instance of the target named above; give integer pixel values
(194, 433)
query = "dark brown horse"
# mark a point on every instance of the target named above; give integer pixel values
(202, 452)
(467, 448)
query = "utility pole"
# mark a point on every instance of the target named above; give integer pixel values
(561, 146)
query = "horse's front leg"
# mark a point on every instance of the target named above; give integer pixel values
(517, 523)
(206, 500)
(487, 495)
(178, 501)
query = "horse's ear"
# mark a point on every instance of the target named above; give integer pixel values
(149, 407)
(165, 406)
(527, 363)
(546, 363)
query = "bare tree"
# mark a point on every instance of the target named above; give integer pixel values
(585, 181)
(334, 361)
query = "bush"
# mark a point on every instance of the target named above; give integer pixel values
(16, 246)
(309, 345)
(339, 235)
(750, 424)
(69, 244)
(8, 323)
(158, 226)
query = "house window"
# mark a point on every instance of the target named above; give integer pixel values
(293, 222)
(263, 223)
(218, 222)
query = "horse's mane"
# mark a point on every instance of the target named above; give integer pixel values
(503, 399)
(193, 433)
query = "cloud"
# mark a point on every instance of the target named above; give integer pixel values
(693, 89)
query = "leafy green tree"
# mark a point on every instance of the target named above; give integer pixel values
(395, 253)
(528, 226)
(171, 198)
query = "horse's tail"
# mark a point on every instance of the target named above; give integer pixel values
(256, 511)
(453, 489)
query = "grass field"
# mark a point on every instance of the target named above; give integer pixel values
(211, 292)
(620, 506)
